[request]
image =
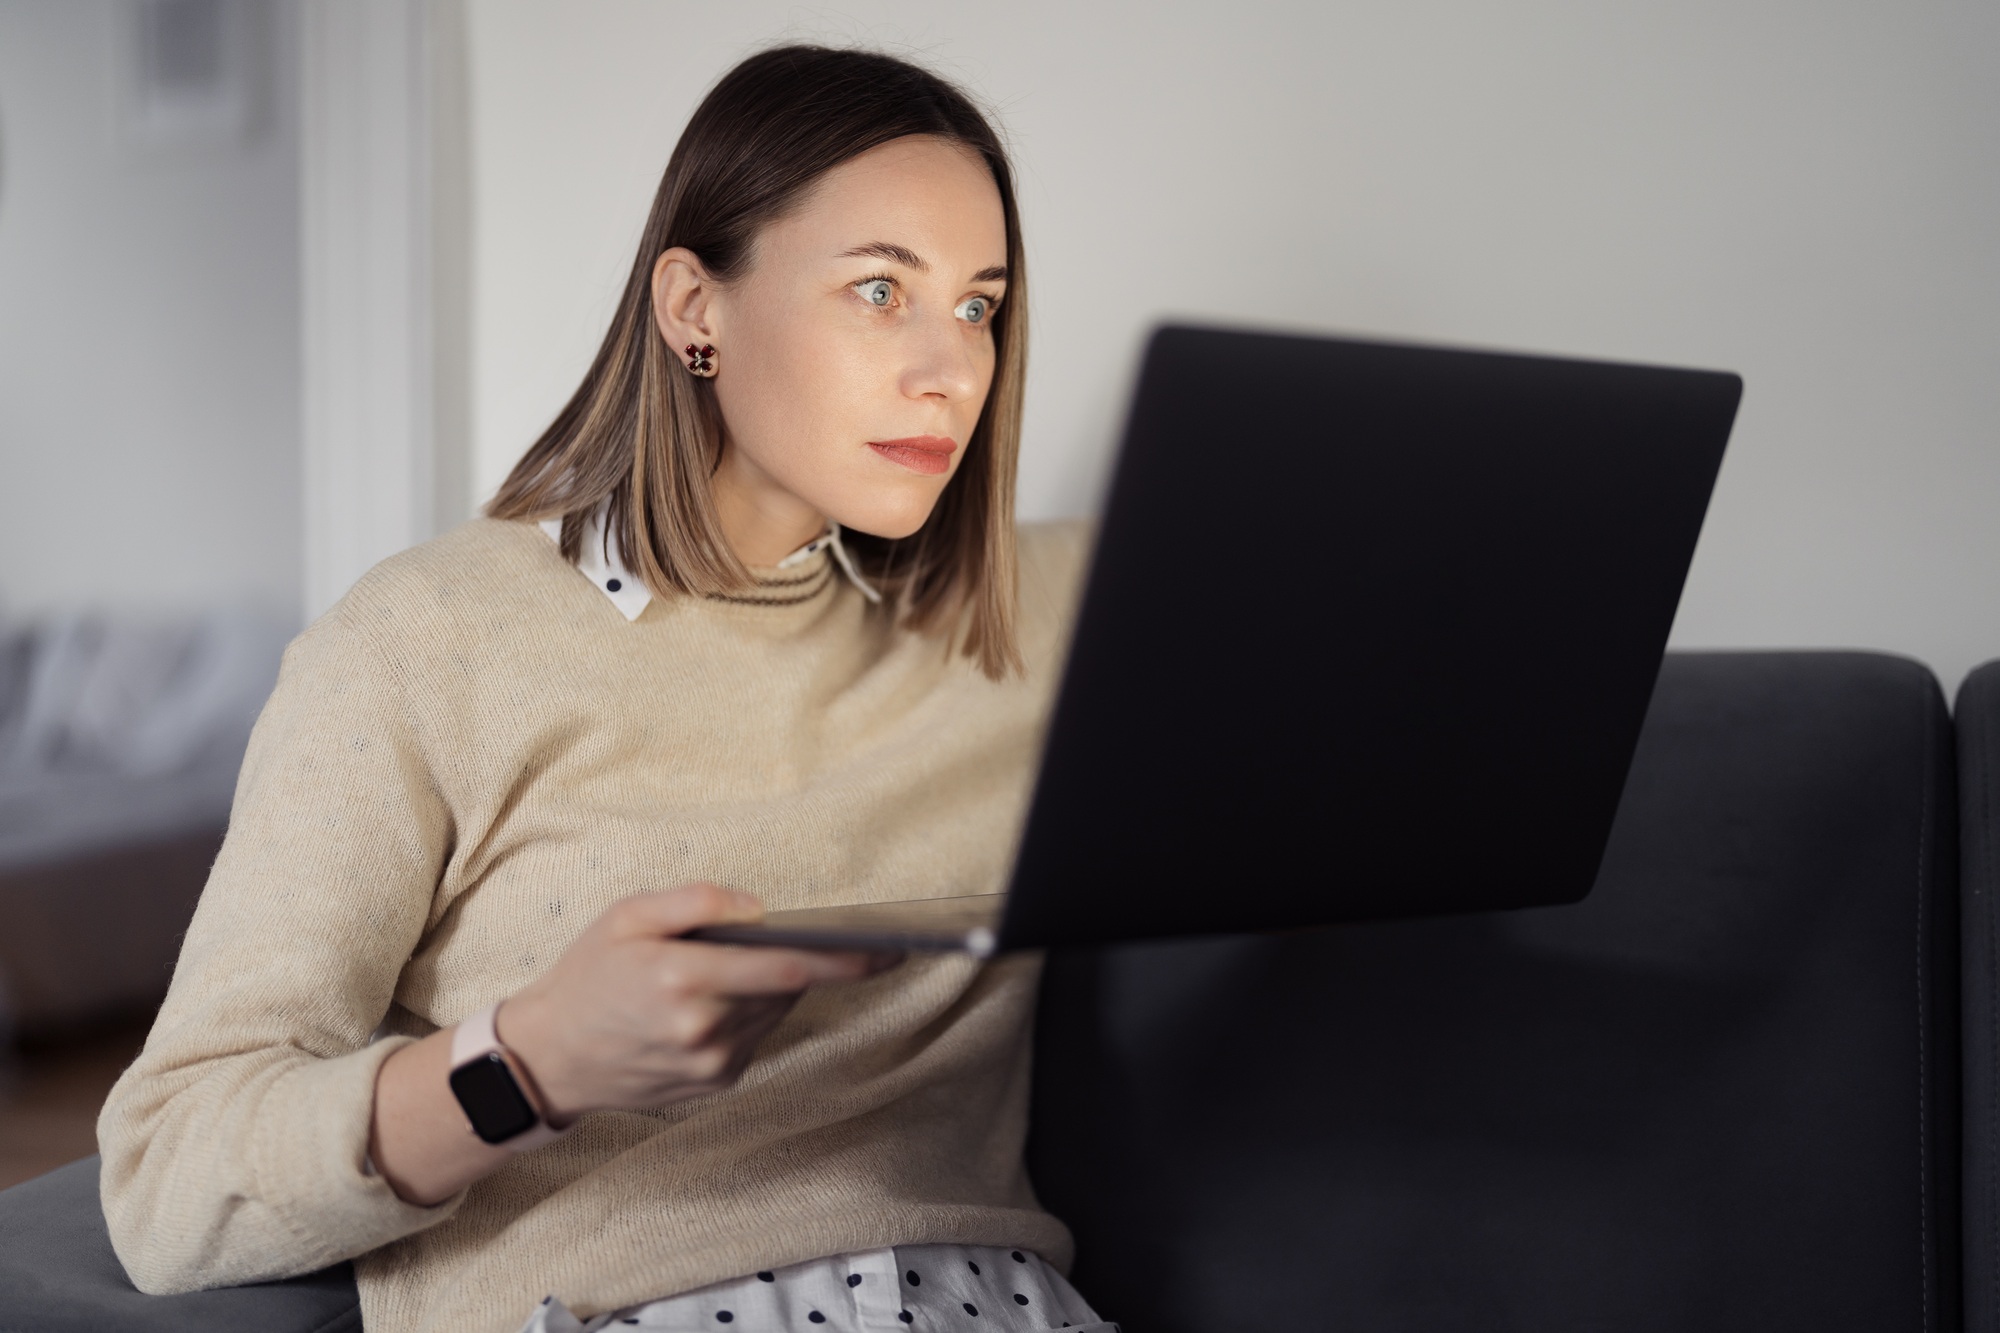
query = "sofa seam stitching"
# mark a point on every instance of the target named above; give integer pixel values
(1984, 721)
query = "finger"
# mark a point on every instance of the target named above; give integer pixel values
(687, 966)
(742, 1043)
(677, 911)
(721, 1053)
(748, 1020)
(692, 1023)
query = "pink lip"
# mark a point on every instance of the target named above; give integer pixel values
(928, 454)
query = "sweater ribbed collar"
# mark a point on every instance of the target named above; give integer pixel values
(799, 577)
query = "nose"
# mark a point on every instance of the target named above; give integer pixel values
(943, 362)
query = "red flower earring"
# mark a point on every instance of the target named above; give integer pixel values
(701, 360)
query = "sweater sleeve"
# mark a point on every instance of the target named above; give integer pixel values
(235, 1146)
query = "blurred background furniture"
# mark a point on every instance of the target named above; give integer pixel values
(1721, 1093)
(119, 745)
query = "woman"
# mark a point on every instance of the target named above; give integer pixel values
(804, 670)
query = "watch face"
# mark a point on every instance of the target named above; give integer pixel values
(492, 1100)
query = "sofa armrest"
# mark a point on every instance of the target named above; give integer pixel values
(1977, 718)
(58, 1273)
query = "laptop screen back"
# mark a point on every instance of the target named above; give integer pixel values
(1370, 631)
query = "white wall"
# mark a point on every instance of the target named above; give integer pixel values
(149, 438)
(1806, 191)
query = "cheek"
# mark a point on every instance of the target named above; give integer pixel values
(802, 390)
(798, 382)
(988, 360)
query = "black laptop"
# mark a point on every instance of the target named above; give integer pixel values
(1417, 601)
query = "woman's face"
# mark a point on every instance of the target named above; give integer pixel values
(854, 357)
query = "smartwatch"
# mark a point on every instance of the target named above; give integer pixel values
(491, 1097)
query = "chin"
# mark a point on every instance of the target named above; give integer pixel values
(891, 521)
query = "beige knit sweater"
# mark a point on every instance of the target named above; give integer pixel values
(462, 765)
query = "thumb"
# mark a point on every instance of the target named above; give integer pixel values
(677, 911)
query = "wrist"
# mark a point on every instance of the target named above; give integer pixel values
(490, 1086)
(535, 1059)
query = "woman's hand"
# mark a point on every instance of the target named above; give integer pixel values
(632, 1016)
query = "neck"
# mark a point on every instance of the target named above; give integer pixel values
(762, 521)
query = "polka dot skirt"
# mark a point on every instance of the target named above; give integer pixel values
(924, 1288)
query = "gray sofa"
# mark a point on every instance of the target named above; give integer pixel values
(1748, 1084)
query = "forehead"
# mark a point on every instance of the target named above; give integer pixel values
(930, 195)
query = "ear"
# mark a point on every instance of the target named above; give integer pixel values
(684, 300)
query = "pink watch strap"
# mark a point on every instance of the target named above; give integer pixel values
(474, 1038)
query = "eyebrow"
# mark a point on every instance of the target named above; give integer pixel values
(902, 254)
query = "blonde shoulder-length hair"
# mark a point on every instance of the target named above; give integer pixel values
(642, 435)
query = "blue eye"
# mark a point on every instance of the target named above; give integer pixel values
(876, 291)
(974, 309)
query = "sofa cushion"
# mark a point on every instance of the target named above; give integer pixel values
(1717, 1094)
(1978, 720)
(58, 1273)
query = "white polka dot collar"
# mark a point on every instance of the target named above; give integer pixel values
(597, 560)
